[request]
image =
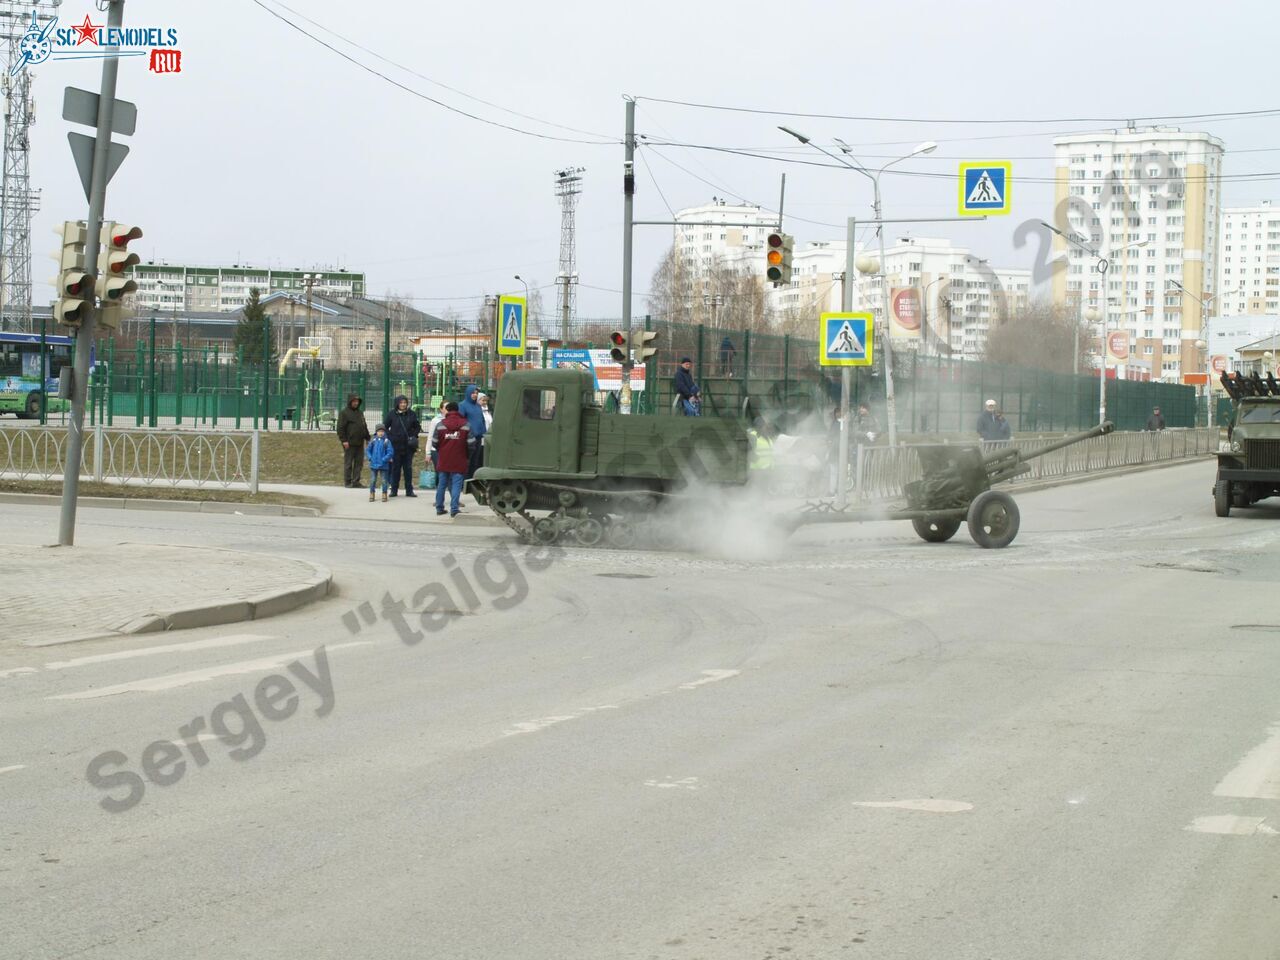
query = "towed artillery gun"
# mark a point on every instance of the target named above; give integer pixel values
(955, 487)
(558, 467)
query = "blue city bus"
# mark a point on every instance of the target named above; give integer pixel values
(20, 373)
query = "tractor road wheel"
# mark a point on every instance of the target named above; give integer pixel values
(621, 534)
(993, 519)
(1222, 498)
(935, 531)
(508, 496)
(546, 530)
(589, 532)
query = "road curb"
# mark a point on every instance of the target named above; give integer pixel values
(236, 610)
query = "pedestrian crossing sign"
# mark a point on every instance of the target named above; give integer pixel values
(511, 326)
(985, 187)
(845, 339)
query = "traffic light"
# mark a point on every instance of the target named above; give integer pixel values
(778, 258)
(113, 264)
(74, 284)
(619, 350)
(640, 345)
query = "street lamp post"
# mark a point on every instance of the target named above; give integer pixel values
(1101, 264)
(1203, 343)
(886, 341)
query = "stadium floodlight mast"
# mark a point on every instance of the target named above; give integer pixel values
(846, 158)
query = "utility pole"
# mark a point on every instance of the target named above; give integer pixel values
(628, 213)
(93, 228)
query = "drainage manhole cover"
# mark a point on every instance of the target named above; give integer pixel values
(627, 576)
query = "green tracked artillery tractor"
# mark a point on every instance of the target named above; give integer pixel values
(558, 467)
(1250, 470)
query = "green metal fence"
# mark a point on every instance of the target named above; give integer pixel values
(149, 385)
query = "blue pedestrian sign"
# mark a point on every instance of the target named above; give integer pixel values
(845, 339)
(985, 187)
(511, 326)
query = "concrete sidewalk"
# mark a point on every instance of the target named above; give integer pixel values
(346, 504)
(66, 594)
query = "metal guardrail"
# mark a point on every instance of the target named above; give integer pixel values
(879, 473)
(205, 459)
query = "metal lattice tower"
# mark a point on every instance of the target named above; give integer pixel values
(17, 200)
(568, 186)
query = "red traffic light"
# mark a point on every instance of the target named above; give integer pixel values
(775, 240)
(122, 233)
(618, 338)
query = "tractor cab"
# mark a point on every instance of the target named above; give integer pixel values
(537, 423)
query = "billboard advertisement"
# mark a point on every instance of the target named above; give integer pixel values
(1118, 345)
(605, 372)
(904, 312)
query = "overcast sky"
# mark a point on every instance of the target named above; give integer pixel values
(270, 149)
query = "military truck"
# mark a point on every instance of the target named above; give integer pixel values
(1249, 470)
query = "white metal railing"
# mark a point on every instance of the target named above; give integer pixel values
(209, 459)
(879, 473)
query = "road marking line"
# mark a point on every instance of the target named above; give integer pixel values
(533, 726)
(207, 644)
(687, 783)
(16, 766)
(16, 671)
(923, 806)
(709, 676)
(1229, 824)
(1257, 776)
(170, 681)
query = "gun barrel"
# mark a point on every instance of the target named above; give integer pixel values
(1017, 454)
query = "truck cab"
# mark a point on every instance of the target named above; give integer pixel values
(1249, 470)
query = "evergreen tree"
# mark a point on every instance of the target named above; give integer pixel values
(249, 331)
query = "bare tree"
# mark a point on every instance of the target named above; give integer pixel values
(715, 293)
(1042, 335)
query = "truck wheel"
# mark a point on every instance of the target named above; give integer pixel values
(935, 531)
(1222, 498)
(993, 519)
(33, 406)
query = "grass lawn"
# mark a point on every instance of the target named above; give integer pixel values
(301, 458)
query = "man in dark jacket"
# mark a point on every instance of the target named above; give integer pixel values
(686, 390)
(1156, 420)
(403, 429)
(353, 433)
(453, 443)
(474, 413)
(992, 426)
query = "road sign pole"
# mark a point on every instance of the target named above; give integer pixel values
(628, 212)
(84, 336)
(846, 375)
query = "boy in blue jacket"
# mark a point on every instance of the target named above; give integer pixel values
(379, 453)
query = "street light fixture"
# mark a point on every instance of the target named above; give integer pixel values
(865, 265)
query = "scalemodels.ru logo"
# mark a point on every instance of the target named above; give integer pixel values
(45, 41)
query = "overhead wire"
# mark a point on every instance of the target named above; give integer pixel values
(418, 93)
(1125, 120)
(421, 76)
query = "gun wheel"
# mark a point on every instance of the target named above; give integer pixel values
(935, 531)
(993, 519)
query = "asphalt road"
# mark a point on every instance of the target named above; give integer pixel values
(854, 744)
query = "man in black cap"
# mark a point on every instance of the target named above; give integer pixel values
(686, 390)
